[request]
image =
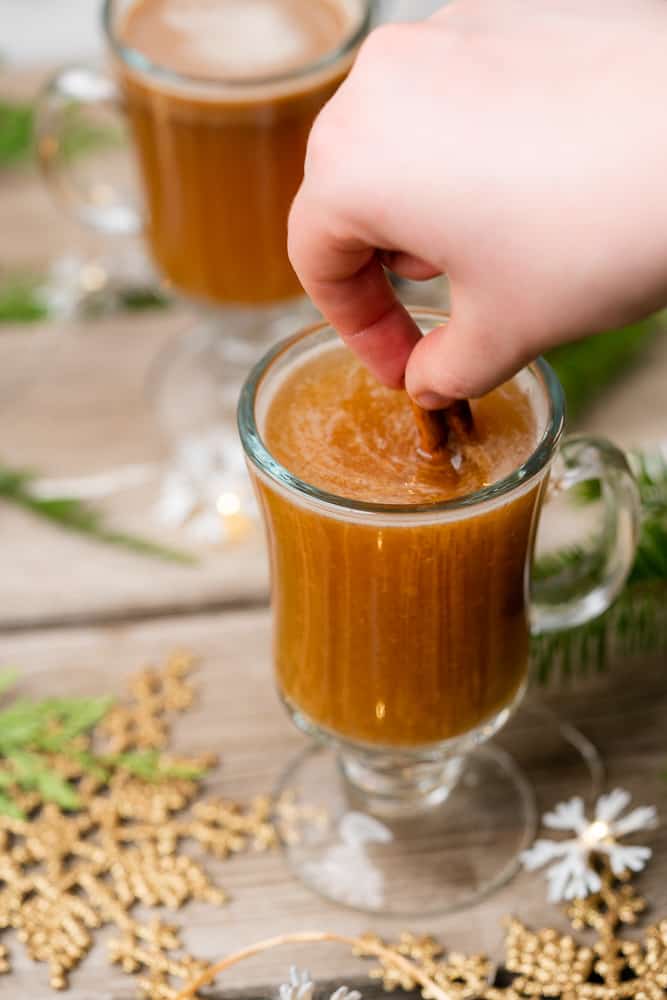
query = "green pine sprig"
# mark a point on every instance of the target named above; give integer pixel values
(637, 623)
(23, 300)
(80, 518)
(32, 732)
(17, 126)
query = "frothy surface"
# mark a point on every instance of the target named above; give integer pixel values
(332, 425)
(235, 38)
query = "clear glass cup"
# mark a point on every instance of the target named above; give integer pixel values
(219, 162)
(402, 644)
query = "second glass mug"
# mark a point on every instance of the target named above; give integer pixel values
(220, 160)
(401, 642)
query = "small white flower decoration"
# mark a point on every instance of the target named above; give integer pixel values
(572, 875)
(301, 987)
(343, 993)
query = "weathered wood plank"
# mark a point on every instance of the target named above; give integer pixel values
(84, 411)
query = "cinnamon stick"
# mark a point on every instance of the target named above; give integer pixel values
(435, 427)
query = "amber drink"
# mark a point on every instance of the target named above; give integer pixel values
(221, 96)
(388, 633)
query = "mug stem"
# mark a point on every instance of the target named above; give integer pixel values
(395, 785)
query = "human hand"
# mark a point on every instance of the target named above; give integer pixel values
(518, 147)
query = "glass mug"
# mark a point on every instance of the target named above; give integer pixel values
(402, 642)
(220, 161)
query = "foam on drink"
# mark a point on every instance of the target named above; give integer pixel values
(333, 425)
(241, 39)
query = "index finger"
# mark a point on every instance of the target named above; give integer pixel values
(344, 277)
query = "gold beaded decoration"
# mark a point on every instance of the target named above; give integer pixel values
(460, 976)
(611, 968)
(63, 876)
(546, 963)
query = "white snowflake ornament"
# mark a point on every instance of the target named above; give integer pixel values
(572, 874)
(301, 987)
(343, 993)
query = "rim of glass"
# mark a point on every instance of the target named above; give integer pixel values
(136, 60)
(260, 456)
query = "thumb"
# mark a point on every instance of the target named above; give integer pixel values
(459, 361)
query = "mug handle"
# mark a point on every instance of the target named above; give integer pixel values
(569, 592)
(98, 204)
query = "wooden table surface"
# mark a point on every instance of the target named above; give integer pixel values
(78, 617)
(239, 715)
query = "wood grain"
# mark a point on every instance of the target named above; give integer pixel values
(239, 715)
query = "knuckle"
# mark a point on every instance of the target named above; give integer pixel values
(321, 142)
(294, 227)
(343, 122)
(333, 130)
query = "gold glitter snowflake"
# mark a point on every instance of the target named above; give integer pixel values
(546, 963)
(65, 875)
(460, 976)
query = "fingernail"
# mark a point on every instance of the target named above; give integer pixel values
(432, 401)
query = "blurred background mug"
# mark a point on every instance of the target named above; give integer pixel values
(219, 99)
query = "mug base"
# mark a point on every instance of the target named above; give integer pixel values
(445, 851)
(444, 856)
